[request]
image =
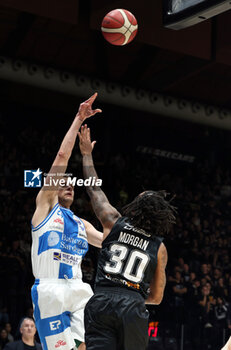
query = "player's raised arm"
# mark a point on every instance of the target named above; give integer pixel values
(158, 282)
(46, 199)
(104, 211)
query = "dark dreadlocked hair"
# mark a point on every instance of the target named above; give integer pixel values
(151, 212)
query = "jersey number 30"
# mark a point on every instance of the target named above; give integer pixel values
(132, 268)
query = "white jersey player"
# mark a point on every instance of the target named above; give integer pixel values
(59, 241)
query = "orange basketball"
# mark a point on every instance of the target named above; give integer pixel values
(119, 27)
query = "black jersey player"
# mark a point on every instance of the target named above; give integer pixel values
(131, 266)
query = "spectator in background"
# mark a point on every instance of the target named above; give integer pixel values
(229, 318)
(3, 339)
(217, 274)
(27, 330)
(229, 288)
(4, 317)
(179, 290)
(205, 305)
(221, 310)
(186, 273)
(8, 328)
(220, 290)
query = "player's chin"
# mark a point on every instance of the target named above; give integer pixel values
(69, 198)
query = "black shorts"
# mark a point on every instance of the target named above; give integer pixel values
(116, 319)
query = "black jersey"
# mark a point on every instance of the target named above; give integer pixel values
(128, 258)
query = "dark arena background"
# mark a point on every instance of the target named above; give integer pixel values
(166, 124)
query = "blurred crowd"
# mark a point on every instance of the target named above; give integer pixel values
(198, 291)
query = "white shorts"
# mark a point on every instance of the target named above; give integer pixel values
(59, 311)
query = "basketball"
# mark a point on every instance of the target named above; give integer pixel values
(119, 27)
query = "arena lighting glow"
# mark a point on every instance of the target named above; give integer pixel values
(179, 14)
(153, 329)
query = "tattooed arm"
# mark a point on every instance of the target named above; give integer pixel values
(104, 211)
(158, 282)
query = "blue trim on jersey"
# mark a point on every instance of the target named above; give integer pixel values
(37, 317)
(82, 223)
(50, 325)
(67, 209)
(46, 219)
(65, 271)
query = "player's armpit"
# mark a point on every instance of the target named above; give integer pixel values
(43, 208)
(158, 282)
(94, 236)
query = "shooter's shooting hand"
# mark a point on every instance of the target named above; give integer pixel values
(85, 109)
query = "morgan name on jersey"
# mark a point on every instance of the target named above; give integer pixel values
(133, 240)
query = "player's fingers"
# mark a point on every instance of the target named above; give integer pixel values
(96, 111)
(93, 144)
(82, 128)
(88, 134)
(85, 130)
(92, 98)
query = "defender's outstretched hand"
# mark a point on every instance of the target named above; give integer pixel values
(85, 109)
(85, 144)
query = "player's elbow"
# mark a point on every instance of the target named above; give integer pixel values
(158, 300)
(62, 155)
(155, 299)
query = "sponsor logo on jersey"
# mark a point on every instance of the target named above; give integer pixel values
(134, 229)
(60, 343)
(59, 213)
(54, 325)
(74, 245)
(58, 220)
(53, 239)
(124, 282)
(57, 256)
(68, 259)
(82, 234)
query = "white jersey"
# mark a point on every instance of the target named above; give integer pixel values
(59, 243)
